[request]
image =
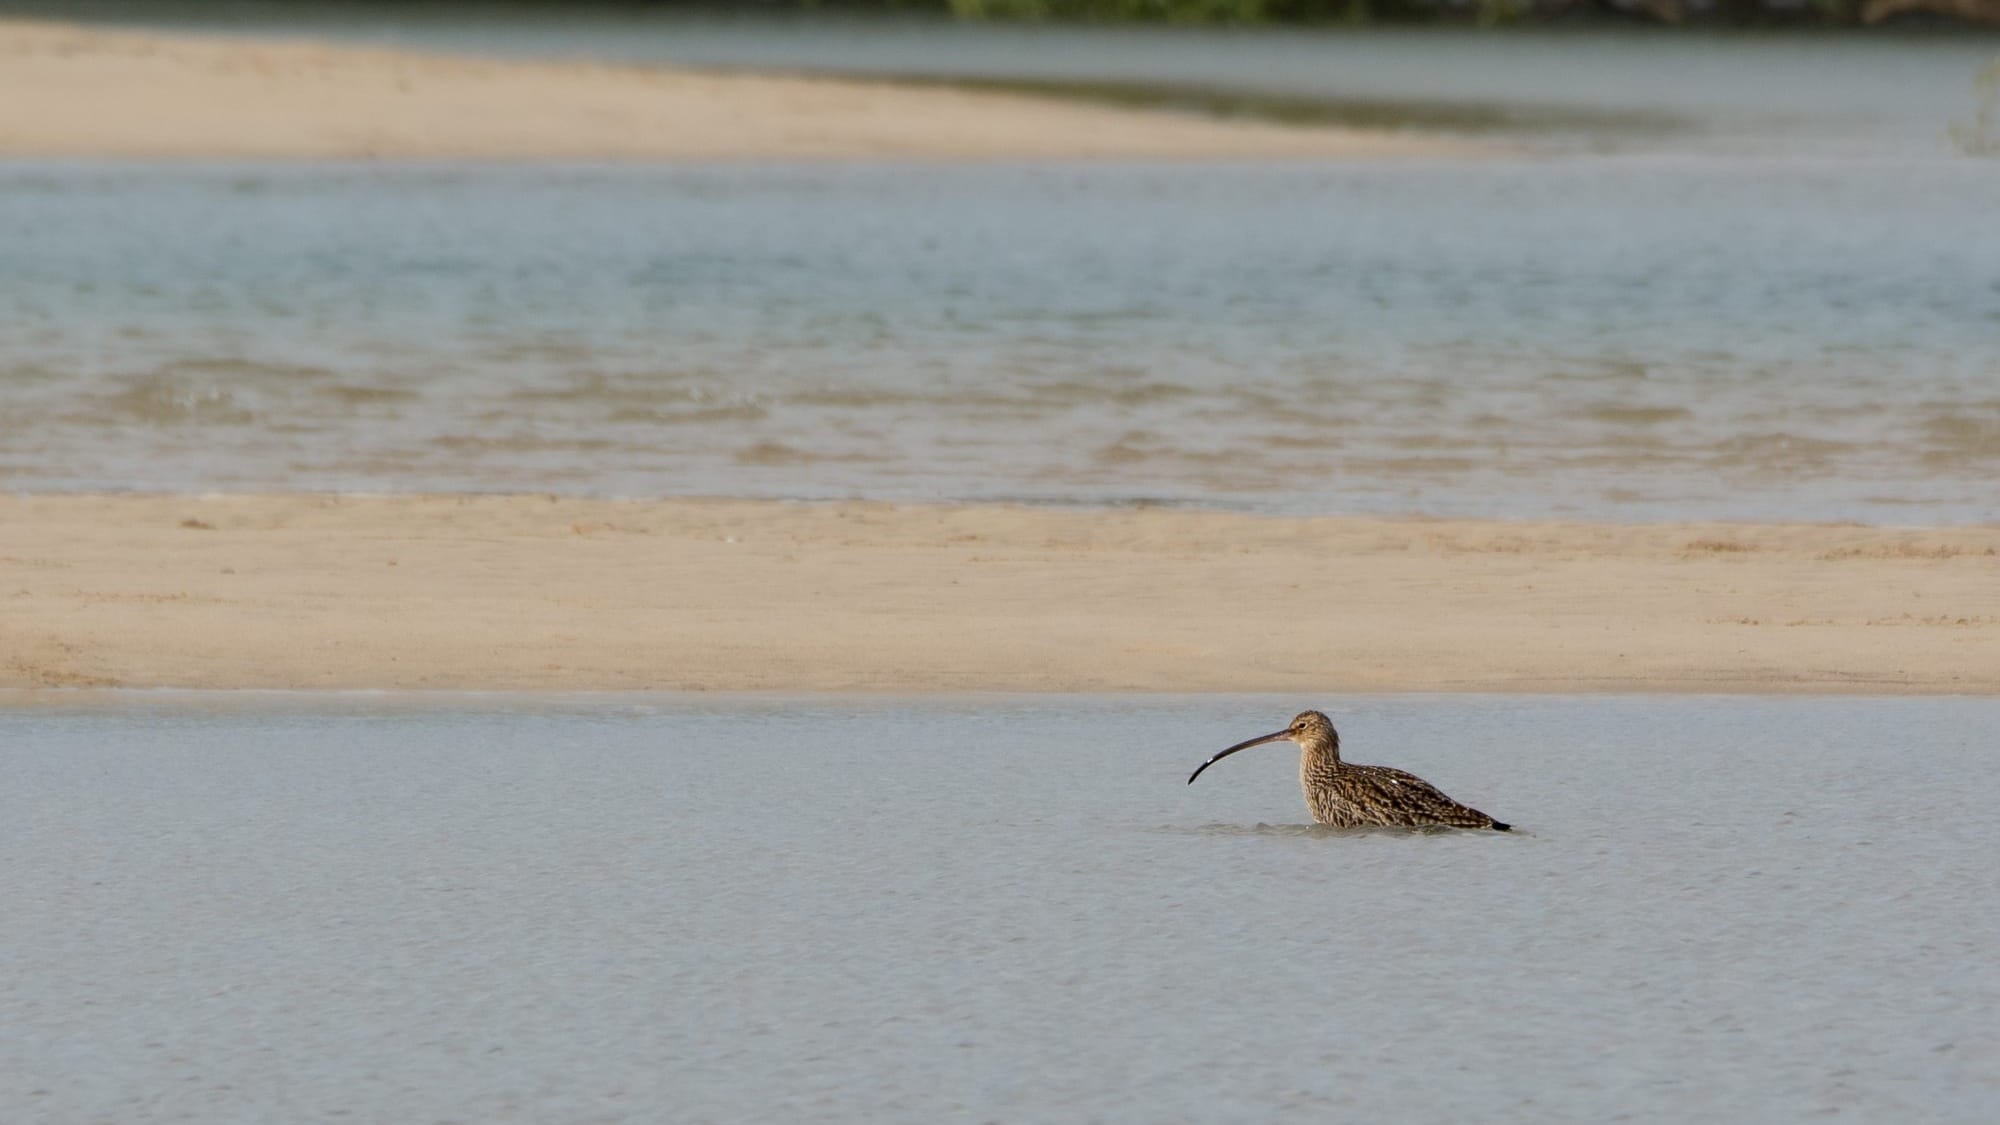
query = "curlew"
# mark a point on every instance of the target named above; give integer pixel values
(1349, 796)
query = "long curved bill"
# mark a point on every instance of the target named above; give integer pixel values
(1276, 736)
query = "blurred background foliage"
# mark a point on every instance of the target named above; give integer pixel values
(1748, 13)
(1742, 13)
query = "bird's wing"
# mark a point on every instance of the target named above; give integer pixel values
(1419, 800)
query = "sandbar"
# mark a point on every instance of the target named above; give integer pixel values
(540, 593)
(73, 91)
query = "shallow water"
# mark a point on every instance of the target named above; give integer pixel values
(1606, 337)
(1776, 298)
(1005, 909)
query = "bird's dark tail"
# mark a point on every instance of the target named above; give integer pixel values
(1499, 827)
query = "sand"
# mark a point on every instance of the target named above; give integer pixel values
(535, 593)
(82, 92)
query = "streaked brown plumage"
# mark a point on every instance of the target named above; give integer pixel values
(1349, 796)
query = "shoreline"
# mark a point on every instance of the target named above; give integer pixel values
(553, 595)
(80, 91)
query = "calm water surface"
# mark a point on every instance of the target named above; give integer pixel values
(1635, 336)
(1733, 276)
(709, 910)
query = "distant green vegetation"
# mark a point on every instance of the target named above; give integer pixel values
(1741, 12)
(1238, 11)
(1171, 11)
(1242, 11)
(1200, 11)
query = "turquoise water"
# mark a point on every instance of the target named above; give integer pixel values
(643, 909)
(1743, 277)
(1609, 337)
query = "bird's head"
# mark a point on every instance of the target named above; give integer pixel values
(1310, 729)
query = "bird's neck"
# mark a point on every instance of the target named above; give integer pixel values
(1321, 752)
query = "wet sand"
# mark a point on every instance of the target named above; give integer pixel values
(534, 593)
(83, 92)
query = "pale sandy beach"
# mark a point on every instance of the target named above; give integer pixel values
(83, 92)
(533, 593)
(990, 462)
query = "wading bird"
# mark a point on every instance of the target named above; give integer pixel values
(1349, 796)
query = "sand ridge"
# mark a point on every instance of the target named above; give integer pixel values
(540, 593)
(69, 91)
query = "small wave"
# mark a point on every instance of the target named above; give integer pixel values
(1620, 415)
(780, 453)
(239, 368)
(17, 373)
(350, 394)
(1780, 452)
(521, 443)
(1603, 370)
(1420, 466)
(1079, 391)
(540, 351)
(1144, 448)
(864, 398)
(596, 387)
(168, 400)
(650, 416)
(1961, 439)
